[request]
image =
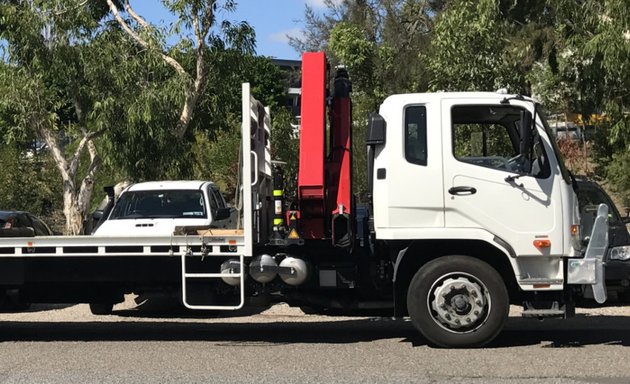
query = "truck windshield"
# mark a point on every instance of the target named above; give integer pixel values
(563, 169)
(160, 204)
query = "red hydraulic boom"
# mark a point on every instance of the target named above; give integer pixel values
(325, 171)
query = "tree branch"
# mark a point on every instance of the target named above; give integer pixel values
(61, 12)
(198, 36)
(55, 151)
(123, 24)
(86, 140)
(135, 16)
(206, 20)
(87, 185)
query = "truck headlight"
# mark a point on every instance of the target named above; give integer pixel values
(620, 253)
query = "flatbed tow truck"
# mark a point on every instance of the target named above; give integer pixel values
(470, 209)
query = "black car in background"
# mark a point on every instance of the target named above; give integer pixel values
(19, 224)
(617, 272)
(22, 224)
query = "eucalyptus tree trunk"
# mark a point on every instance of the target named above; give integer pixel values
(76, 197)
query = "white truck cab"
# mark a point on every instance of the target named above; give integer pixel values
(155, 208)
(477, 165)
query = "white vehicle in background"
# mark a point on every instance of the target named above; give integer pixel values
(155, 208)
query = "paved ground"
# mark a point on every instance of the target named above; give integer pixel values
(281, 345)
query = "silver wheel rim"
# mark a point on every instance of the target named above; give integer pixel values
(459, 302)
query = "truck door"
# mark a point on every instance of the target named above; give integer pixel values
(408, 182)
(481, 152)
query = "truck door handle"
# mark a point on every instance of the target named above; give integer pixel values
(462, 191)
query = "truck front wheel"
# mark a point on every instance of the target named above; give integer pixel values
(458, 301)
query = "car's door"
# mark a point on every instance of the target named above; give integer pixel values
(219, 208)
(40, 228)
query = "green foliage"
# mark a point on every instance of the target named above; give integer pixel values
(285, 147)
(352, 48)
(29, 182)
(467, 48)
(618, 173)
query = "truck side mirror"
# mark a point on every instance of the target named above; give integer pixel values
(376, 130)
(109, 190)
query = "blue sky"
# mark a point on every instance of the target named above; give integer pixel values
(272, 20)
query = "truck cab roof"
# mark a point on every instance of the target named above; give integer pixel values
(436, 96)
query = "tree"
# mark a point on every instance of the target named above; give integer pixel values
(467, 48)
(46, 90)
(28, 182)
(383, 44)
(200, 17)
(187, 92)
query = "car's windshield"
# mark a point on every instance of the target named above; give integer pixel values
(160, 204)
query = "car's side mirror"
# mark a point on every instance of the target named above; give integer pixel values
(222, 213)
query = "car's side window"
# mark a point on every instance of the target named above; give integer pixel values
(214, 206)
(218, 197)
(416, 134)
(39, 227)
(22, 220)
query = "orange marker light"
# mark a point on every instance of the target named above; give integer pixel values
(232, 242)
(574, 229)
(545, 243)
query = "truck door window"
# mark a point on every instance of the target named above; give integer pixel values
(488, 136)
(416, 134)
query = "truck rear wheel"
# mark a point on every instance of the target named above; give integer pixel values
(458, 301)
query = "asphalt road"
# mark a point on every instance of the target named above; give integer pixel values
(281, 345)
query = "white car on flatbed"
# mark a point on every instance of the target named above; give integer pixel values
(155, 208)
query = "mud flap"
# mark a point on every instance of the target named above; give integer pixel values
(590, 270)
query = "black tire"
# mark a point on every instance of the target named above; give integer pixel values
(450, 283)
(101, 308)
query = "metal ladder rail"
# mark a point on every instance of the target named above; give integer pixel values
(187, 276)
(256, 150)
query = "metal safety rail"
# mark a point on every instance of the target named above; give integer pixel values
(255, 181)
(96, 246)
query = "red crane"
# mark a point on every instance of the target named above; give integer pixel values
(325, 169)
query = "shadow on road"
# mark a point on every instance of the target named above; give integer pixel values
(34, 308)
(268, 333)
(571, 333)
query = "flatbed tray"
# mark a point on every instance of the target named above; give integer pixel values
(207, 231)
